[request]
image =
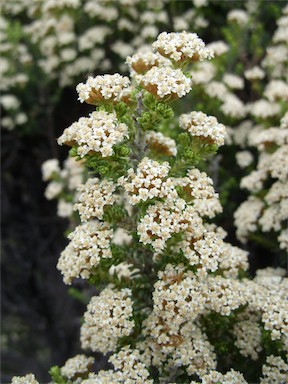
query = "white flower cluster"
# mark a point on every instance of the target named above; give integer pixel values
(233, 81)
(94, 196)
(283, 239)
(197, 185)
(246, 217)
(178, 299)
(92, 36)
(150, 181)
(263, 108)
(280, 35)
(231, 376)
(277, 55)
(244, 158)
(218, 47)
(127, 361)
(122, 49)
(96, 133)
(162, 220)
(216, 89)
(208, 207)
(242, 131)
(75, 366)
(128, 369)
(233, 106)
(284, 121)
(68, 179)
(200, 3)
(275, 214)
(270, 272)
(64, 208)
(248, 334)
(143, 62)
(151, 17)
(9, 102)
(181, 296)
(254, 181)
(274, 371)
(188, 347)
(203, 248)
(254, 73)
(9, 123)
(205, 127)
(49, 167)
(182, 46)
(72, 173)
(238, 16)
(28, 379)
(121, 237)
(107, 319)
(268, 295)
(100, 10)
(232, 259)
(279, 163)
(52, 4)
(270, 216)
(161, 144)
(204, 251)
(203, 73)
(88, 244)
(13, 107)
(165, 83)
(102, 88)
(53, 189)
(276, 90)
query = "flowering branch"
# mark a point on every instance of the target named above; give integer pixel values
(171, 284)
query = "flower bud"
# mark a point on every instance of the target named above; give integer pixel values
(189, 153)
(103, 169)
(164, 111)
(123, 150)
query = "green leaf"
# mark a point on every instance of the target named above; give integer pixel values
(57, 376)
(120, 109)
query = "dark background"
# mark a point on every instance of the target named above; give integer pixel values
(40, 318)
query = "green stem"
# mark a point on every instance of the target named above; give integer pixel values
(262, 241)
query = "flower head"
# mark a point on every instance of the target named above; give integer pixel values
(94, 196)
(101, 89)
(96, 133)
(107, 319)
(150, 181)
(142, 62)
(28, 379)
(76, 366)
(203, 126)
(88, 244)
(165, 83)
(49, 167)
(182, 46)
(161, 144)
(162, 220)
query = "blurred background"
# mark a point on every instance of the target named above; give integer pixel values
(47, 48)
